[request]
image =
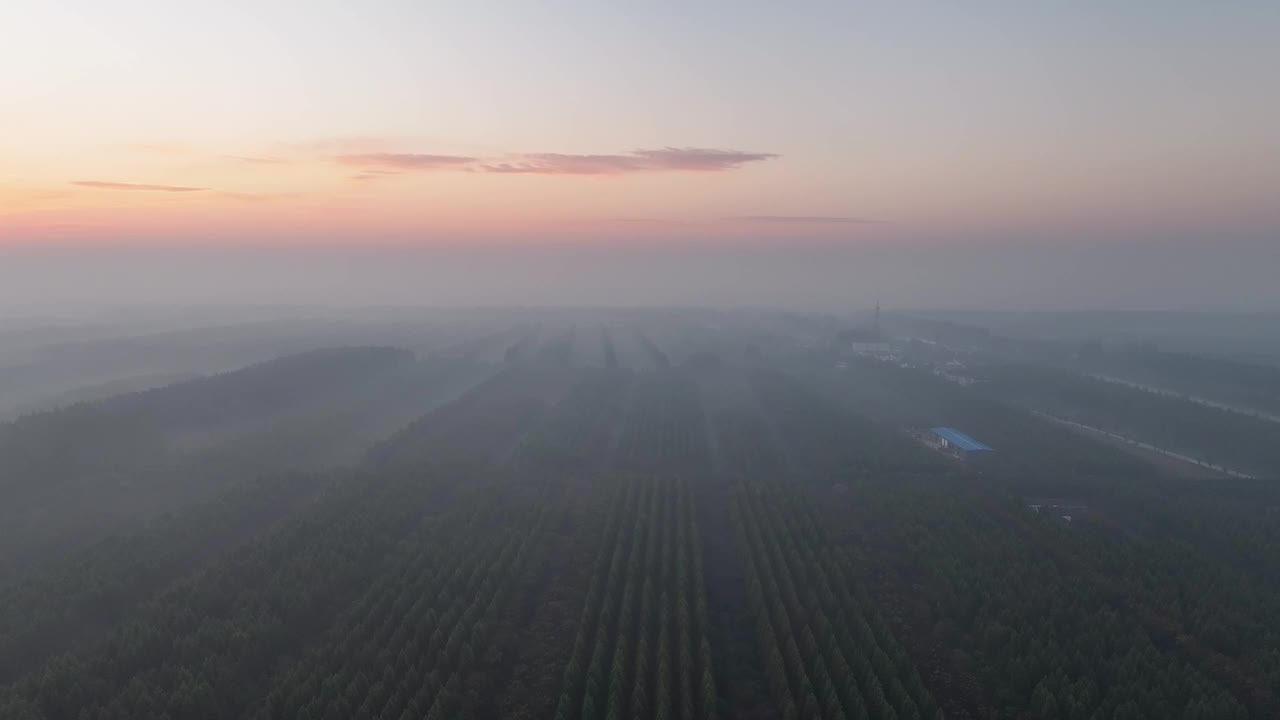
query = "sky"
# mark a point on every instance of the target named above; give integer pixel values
(799, 153)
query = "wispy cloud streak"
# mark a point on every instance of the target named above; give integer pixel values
(104, 185)
(258, 160)
(804, 219)
(700, 159)
(260, 197)
(669, 159)
(406, 161)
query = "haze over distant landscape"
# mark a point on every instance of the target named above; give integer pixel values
(568, 360)
(996, 154)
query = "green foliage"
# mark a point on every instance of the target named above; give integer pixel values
(644, 628)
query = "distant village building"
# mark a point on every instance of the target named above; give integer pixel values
(955, 442)
(865, 342)
(953, 371)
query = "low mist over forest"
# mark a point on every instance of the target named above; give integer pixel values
(577, 513)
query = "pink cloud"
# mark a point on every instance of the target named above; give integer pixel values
(562, 164)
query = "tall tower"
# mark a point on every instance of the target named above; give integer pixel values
(876, 325)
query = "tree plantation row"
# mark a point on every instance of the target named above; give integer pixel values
(738, 538)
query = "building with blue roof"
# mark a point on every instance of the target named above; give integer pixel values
(958, 442)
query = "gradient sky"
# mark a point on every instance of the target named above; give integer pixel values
(1014, 125)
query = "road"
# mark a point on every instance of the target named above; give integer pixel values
(1190, 398)
(1147, 446)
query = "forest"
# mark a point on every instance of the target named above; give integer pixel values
(645, 518)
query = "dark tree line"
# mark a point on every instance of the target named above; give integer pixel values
(426, 639)
(206, 647)
(49, 611)
(641, 650)
(1043, 627)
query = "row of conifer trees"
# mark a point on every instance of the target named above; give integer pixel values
(416, 643)
(827, 652)
(641, 651)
